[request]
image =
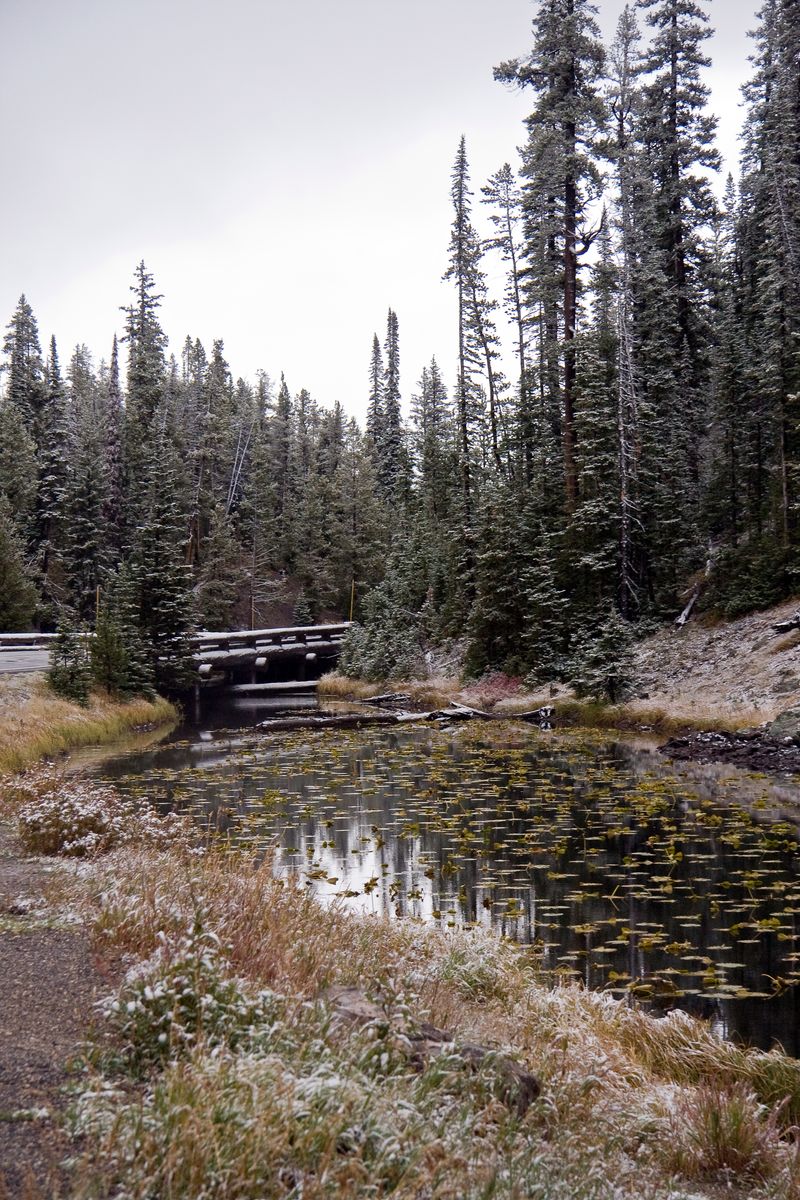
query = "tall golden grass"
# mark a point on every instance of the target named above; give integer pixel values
(36, 724)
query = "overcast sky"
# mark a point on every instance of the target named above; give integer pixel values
(282, 166)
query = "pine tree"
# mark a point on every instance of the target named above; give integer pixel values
(85, 552)
(221, 575)
(376, 417)
(70, 674)
(112, 424)
(17, 592)
(393, 467)
(147, 378)
(24, 368)
(462, 249)
(565, 135)
(603, 665)
(51, 438)
(497, 616)
(301, 613)
(770, 250)
(18, 471)
(503, 193)
(120, 661)
(159, 575)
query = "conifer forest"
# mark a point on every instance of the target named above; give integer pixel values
(613, 436)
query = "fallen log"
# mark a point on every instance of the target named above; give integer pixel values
(339, 721)
(788, 626)
(458, 712)
(517, 1088)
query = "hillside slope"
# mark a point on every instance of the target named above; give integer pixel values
(738, 669)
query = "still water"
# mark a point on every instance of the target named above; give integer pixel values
(676, 885)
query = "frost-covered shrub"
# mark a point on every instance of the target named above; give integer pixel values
(76, 818)
(183, 996)
(77, 823)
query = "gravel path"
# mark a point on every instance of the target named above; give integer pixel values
(48, 984)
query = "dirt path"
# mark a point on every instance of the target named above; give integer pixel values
(48, 984)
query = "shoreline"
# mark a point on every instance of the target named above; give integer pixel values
(36, 724)
(662, 1108)
(569, 711)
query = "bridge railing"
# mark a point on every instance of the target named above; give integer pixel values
(215, 644)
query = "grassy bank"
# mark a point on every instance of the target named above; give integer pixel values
(569, 710)
(221, 1069)
(36, 724)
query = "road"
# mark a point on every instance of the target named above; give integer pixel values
(15, 662)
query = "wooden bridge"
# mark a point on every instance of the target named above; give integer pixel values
(245, 656)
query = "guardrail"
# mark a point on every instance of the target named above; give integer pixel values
(26, 641)
(237, 639)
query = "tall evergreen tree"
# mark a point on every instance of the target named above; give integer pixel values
(565, 136)
(147, 373)
(160, 577)
(24, 366)
(17, 592)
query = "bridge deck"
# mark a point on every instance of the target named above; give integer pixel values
(213, 651)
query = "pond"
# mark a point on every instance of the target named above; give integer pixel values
(677, 886)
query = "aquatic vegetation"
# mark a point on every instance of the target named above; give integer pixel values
(621, 871)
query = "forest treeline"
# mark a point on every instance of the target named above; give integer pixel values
(636, 440)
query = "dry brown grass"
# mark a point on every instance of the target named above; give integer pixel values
(36, 724)
(568, 709)
(631, 1105)
(430, 693)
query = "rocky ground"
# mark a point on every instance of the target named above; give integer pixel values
(742, 671)
(753, 750)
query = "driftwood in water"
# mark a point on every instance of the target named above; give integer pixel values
(516, 1087)
(456, 712)
(788, 626)
(338, 721)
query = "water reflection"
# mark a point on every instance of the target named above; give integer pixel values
(678, 886)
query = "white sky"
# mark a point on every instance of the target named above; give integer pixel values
(282, 166)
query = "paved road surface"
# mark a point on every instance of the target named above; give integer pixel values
(12, 662)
